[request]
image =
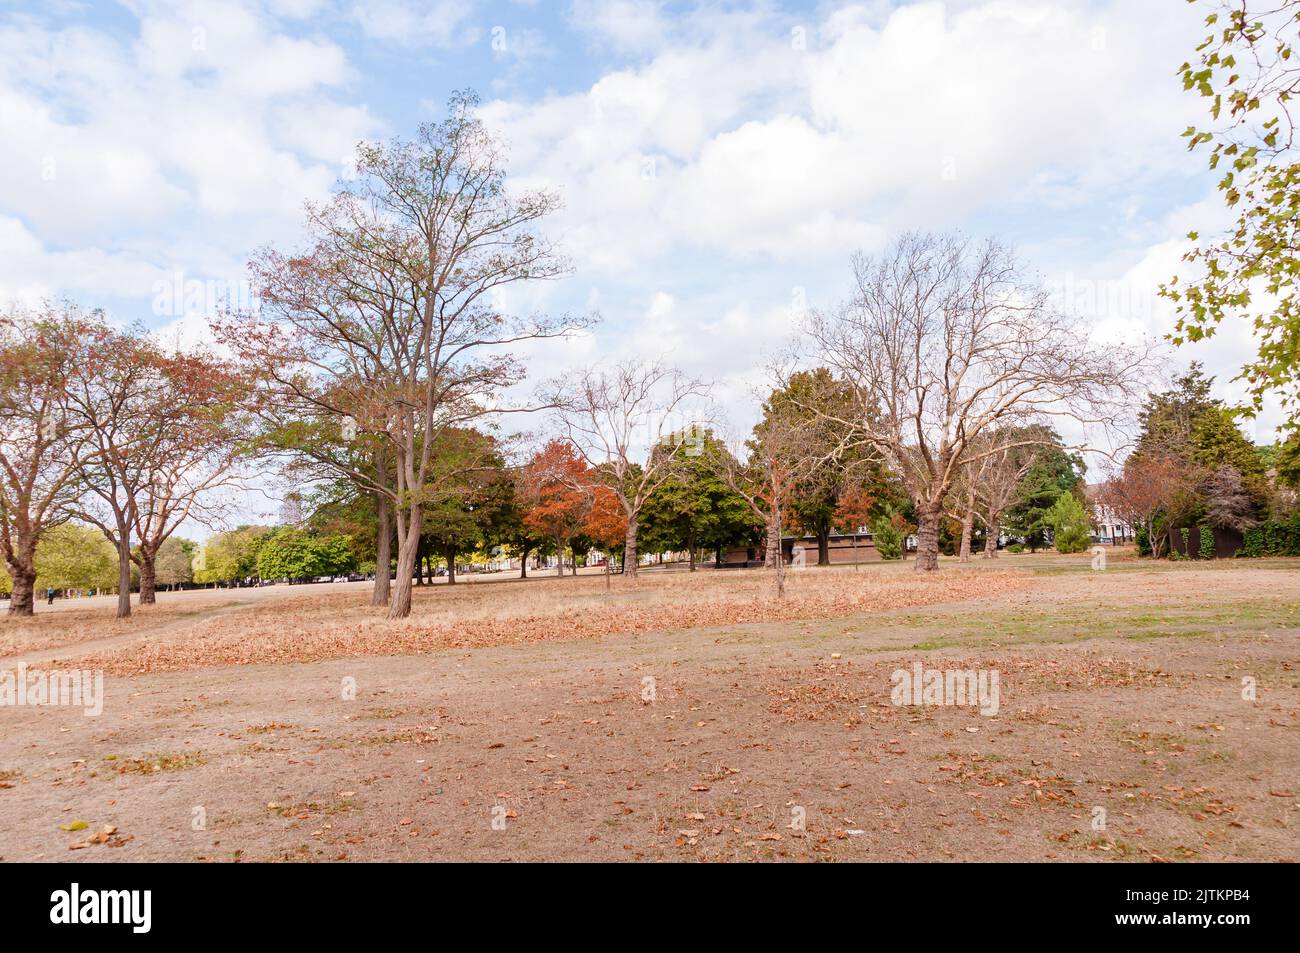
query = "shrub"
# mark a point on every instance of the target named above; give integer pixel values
(1016, 548)
(1069, 524)
(295, 554)
(1206, 548)
(1273, 538)
(887, 538)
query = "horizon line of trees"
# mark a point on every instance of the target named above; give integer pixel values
(378, 370)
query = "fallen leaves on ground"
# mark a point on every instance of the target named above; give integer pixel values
(310, 630)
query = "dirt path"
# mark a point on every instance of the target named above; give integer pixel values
(709, 744)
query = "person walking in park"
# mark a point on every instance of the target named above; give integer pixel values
(49, 595)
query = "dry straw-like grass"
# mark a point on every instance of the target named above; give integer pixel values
(340, 625)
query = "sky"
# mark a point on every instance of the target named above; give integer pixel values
(719, 162)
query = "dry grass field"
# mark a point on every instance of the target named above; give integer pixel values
(681, 717)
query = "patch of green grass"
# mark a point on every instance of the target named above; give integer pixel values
(1076, 623)
(1057, 565)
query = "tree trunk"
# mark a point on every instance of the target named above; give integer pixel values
(967, 530)
(451, 555)
(407, 547)
(523, 563)
(148, 577)
(772, 544)
(629, 549)
(22, 598)
(123, 572)
(824, 547)
(991, 543)
(690, 544)
(383, 555)
(1153, 540)
(779, 550)
(927, 538)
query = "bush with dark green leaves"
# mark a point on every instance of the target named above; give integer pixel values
(1207, 541)
(1069, 522)
(887, 538)
(1273, 538)
(296, 554)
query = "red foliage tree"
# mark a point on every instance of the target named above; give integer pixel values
(606, 523)
(39, 451)
(558, 486)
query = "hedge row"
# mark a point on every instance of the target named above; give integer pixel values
(1272, 538)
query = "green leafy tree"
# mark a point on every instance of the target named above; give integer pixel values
(1188, 425)
(287, 554)
(1247, 70)
(337, 508)
(174, 562)
(1054, 472)
(1069, 522)
(511, 531)
(231, 556)
(887, 533)
(839, 463)
(468, 499)
(75, 556)
(695, 508)
(1286, 462)
(296, 554)
(1170, 417)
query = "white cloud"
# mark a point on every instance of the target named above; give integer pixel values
(719, 162)
(918, 117)
(624, 25)
(180, 147)
(441, 22)
(31, 271)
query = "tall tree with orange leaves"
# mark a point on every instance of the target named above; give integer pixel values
(558, 486)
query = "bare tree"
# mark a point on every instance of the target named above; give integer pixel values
(997, 483)
(406, 343)
(614, 416)
(945, 341)
(40, 451)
